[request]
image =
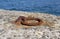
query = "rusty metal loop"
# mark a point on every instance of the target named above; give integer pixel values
(24, 21)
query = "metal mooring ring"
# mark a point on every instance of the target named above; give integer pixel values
(26, 21)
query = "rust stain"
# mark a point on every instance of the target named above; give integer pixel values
(22, 20)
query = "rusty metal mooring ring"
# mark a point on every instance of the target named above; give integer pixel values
(24, 21)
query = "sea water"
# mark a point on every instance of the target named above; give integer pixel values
(44, 6)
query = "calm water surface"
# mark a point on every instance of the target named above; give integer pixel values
(47, 6)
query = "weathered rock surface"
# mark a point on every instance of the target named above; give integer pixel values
(9, 31)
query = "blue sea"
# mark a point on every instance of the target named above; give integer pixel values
(43, 6)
